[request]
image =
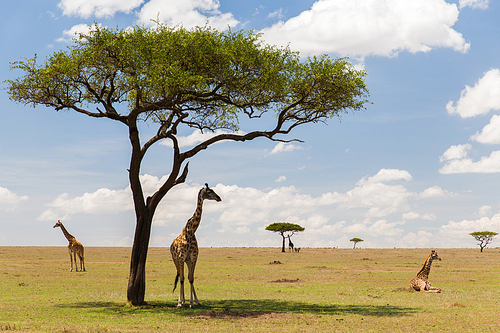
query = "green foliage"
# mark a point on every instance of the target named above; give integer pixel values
(356, 240)
(282, 227)
(202, 76)
(483, 237)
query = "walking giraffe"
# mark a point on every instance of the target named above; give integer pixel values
(421, 281)
(184, 248)
(74, 247)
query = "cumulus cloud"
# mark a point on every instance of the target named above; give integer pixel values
(464, 164)
(284, 147)
(461, 230)
(247, 210)
(280, 179)
(432, 192)
(490, 133)
(480, 4)
(97, 8)
(455, 152)
(189, 13)
(480, 99)
(359, 28)
(196, 137)
(9, 200)
(385, 175)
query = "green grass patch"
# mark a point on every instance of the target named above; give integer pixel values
(246, 289)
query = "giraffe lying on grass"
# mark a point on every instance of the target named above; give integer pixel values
(74, 247)
(184, 248)
(421, 281)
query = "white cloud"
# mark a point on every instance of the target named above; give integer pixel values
(455, 152)
(481, 4)
(188, 13)
(461, 230)
(97, 8)
(411, 216)
(8, 199)
(429, 217)
(484, 210)
(490, 133)
(359, 28)
(385, 175)
(487, 164)
(284, 147)
(246, 210)
(420, 239)
(480, 99)
(280, 179)
(277, 13)
(432, 192)
(102, 201)
(75, 31)
(196, 137)
(380, 227)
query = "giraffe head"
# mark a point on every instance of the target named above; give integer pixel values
(207, 193)
(58, 224)
(435, 256)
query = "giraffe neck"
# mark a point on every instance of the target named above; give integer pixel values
(426, 268)
(68, 236)
(194, 222)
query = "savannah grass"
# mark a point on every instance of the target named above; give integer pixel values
(242, 289)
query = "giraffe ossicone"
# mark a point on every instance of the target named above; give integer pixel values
(74, 247)
(421, 281)
(184, 248)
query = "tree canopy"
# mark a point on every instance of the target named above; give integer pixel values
(356, 240)
(285, 229)
(483, 237)
(173, 77)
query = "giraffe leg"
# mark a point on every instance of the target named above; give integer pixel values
(74, 256)
(432, 289)
(191, 267)
(70, 259)
(180, 271)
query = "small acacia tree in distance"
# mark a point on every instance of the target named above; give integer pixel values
(483, 237)
(286, 230)
(176, 79)
(355, 240)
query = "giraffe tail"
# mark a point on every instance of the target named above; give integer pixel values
(175, 282)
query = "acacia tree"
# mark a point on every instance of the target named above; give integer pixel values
(483, 237)
(286, 230)
(355, 240)
(174, 78)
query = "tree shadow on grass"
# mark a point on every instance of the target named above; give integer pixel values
(246, 308)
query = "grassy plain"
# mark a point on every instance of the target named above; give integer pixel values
(242, 289)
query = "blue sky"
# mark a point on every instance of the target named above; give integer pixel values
(419, 168)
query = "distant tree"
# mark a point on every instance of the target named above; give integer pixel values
(356, 241)
(286, 230)
(483, 237)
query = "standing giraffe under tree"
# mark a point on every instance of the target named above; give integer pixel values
(74, 247)
(184, 248)
(421, 281)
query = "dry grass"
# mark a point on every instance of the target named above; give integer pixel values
(242, 289)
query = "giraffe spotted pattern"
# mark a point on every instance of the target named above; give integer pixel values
(184, 248)
(421, 281)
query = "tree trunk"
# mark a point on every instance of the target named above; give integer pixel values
(137, 278)
(283, 247)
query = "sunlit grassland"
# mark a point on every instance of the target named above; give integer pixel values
(241, 289)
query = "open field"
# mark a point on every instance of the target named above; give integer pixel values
(316, 290)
